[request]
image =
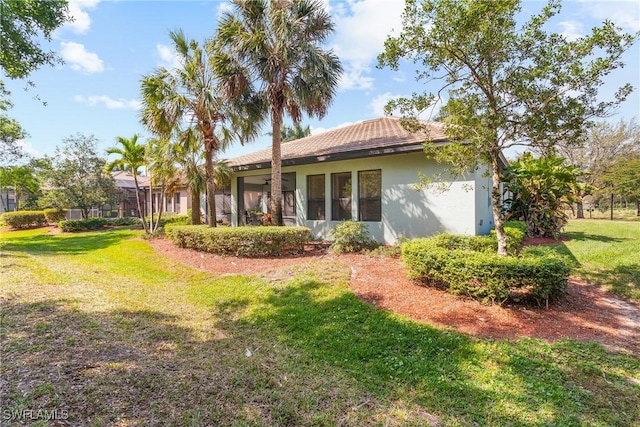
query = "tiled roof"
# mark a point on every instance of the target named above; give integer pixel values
(125, 180)
(365, 137)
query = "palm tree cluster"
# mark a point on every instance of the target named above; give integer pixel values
(264, 61)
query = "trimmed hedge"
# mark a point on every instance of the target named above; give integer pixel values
(469, 266)
(22, 219)
(124, 221)
(516, 231)
(174, 219)
(82, 224)
(55, 215)
(240, 241)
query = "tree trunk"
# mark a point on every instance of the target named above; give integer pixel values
(496, 203)
(579, 210)
(211, 185)
(195, 207)
(638, 208)
(276, 168)
(140, 212)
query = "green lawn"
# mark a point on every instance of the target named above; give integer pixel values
(100, 326)
(605, 253)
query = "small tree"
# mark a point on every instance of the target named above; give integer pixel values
(76, 177)
(130, 158)
(624, 177)
(604, 144)
(22, 180)
(505, 85)
(540, 189)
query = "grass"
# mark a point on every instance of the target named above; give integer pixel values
(605, 253)
(100, 326)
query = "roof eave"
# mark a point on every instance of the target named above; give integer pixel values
(332, 157)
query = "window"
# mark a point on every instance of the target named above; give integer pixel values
(288, 203)
(341, 196)
(369, 195)
(315, 197)
(168, 204)
(176, 203)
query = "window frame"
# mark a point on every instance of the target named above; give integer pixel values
(335, 201)
(363, 200)
(321, 202)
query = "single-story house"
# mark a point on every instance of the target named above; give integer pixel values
(364, 172)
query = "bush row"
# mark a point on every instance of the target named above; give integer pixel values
(82, 224)
(514, 230)
(22, 219)
(240, 241)
(174, 219)
(53, 216)
(470, 266)
(71, 225)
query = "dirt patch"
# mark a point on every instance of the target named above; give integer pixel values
(586, 313)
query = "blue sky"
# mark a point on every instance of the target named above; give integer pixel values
(111, 44)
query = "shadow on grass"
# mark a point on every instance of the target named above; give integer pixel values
(315, 359)
(582, 236)
(66, 244)
(623, 280)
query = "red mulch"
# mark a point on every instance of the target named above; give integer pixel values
(586, 313)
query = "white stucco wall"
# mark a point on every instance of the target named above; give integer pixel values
(484, 214)
(405, 211)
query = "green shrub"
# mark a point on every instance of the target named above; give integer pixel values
(124, 221)
(70, 225)
(240, 241)
(175, 219)
(351, 236)
(484, 275)
(22, 219)
(55, 215)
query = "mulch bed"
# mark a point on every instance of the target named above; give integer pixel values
(586, 313)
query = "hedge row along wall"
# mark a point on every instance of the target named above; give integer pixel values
(23, 219)
(240, 241)
(469, 266)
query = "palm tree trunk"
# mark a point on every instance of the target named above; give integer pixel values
(211, 185)
(195, 207)
(140, 212)
(276, 168)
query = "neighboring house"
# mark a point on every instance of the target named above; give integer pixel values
(7, 200)
(176, 203)
(365, 172)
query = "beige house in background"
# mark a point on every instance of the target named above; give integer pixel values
(363, 172)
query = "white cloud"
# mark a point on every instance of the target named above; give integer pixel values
(355, 78)
(28, 148)
(224, 7)
(80, 59)
(625, 14)
(110, 103)
(378, 103)
(361, 29)
(81, 22)
(571, 30)
(168, 56)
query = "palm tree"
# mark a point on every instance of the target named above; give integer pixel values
(277, 41)
(132, 157)
(162, 174)
(190, 94)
